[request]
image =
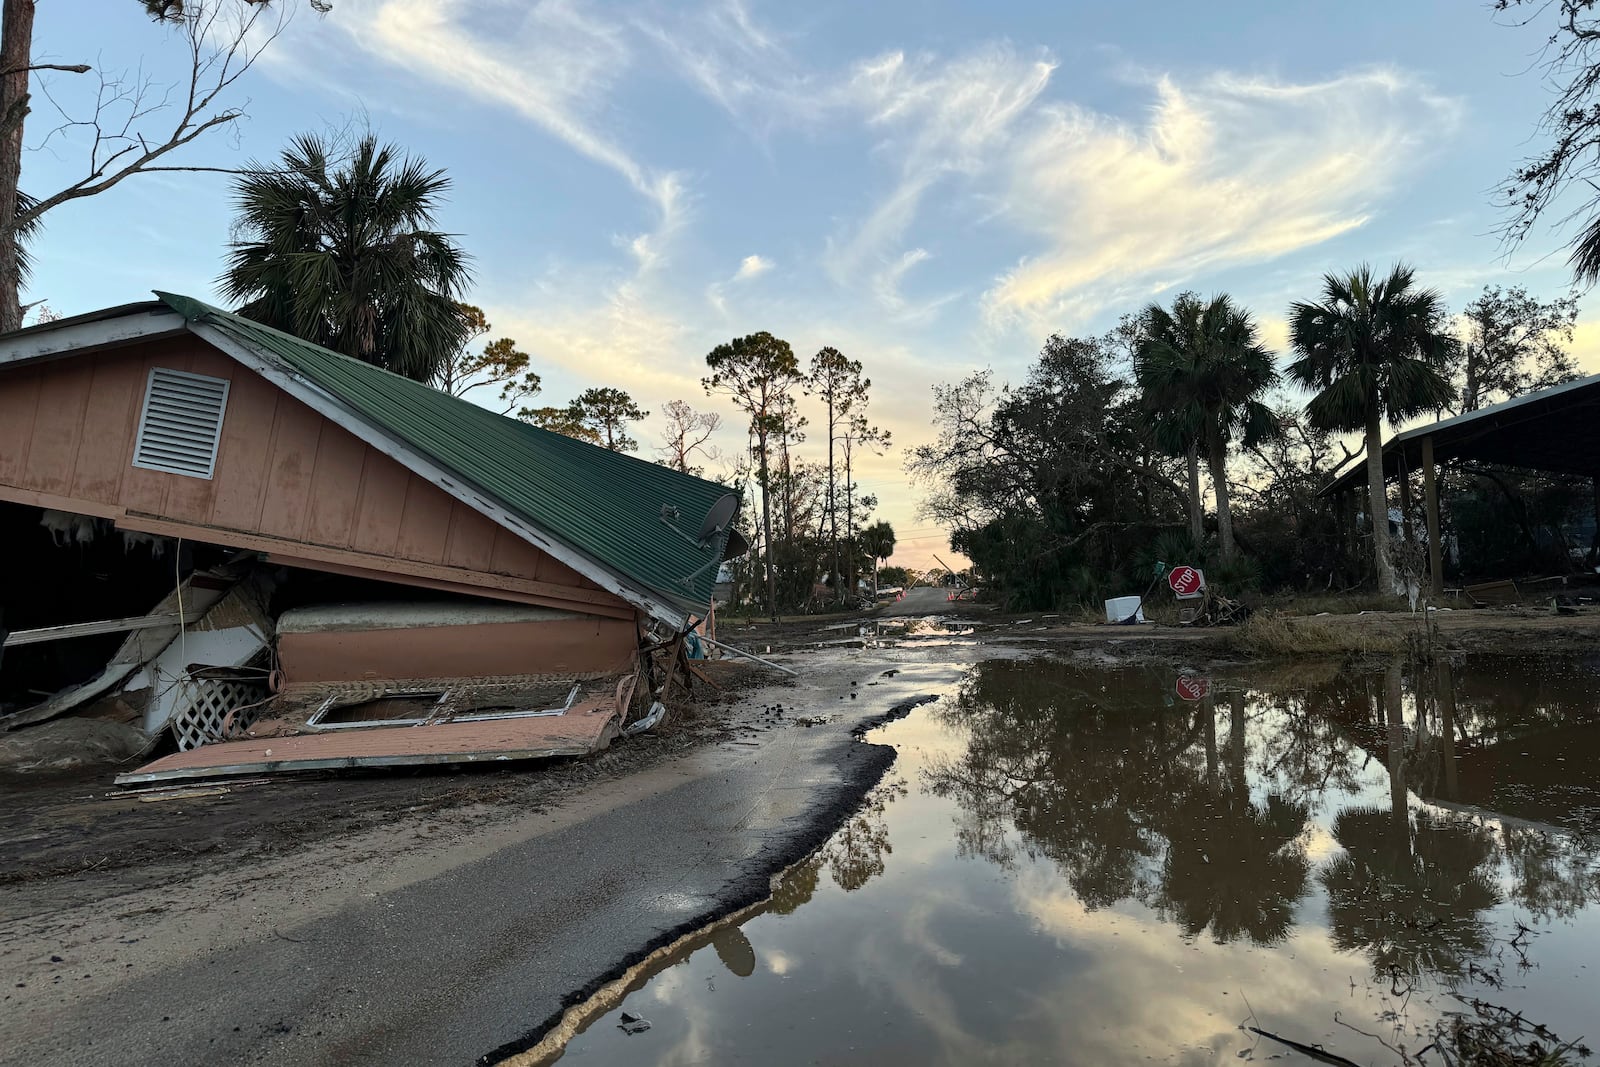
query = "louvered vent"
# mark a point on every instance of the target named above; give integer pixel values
(181, 424)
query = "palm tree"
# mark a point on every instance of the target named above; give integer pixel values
(878, 540)
(1201, 367)
(341, 254)
(1373, 348)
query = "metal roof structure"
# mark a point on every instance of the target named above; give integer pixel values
(1555, 429)
(629, 525)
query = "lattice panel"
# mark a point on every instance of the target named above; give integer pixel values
(205, 703)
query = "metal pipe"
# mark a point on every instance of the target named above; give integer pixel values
(750, 656)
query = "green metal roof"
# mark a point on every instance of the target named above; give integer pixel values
(605, 505)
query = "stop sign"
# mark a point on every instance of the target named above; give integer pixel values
(1191, 687)
(1185, 581)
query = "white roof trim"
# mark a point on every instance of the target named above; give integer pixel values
(331, 407)
(136, 325)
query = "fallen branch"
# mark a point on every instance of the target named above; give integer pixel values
(1316, 1052)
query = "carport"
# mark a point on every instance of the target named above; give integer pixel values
(1555, 430)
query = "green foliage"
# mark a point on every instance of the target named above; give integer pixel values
(560, 420)
(1371, 344)
(341, 254)
(606, 413)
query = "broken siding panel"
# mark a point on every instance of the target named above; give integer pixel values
(424, 523)
(295, 435)
(110, 415)
(19, 399)
(382, 501)
(241, 473)
(335, 488)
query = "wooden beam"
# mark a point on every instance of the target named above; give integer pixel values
(99, 626)
(1430, 493)
(384, 568)
(610, 611)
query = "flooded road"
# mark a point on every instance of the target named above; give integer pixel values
(1077, 865)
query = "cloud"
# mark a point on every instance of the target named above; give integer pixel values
(550, 63)
(751, 266)
(934, 119)
(1233, 170)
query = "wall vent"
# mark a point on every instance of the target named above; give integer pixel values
(181, 424)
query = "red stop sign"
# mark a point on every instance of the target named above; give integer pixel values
(1191, 687)
(1184, 580)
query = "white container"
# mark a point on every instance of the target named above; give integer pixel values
(1119, 608)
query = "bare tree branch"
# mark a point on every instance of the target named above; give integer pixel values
(219, 54)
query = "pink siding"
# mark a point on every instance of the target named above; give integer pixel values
(67, 430)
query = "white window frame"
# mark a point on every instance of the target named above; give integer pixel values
(144, 412)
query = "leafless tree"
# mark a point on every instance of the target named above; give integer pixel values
(687, 433)
(134, 123)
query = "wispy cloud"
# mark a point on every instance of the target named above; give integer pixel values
(750, 267)
(551, 63)
(935, 118)
(1233, 170)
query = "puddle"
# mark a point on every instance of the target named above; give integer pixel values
(1073, 865)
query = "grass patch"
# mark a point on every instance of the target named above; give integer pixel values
(1331, 603)
(1276, 635)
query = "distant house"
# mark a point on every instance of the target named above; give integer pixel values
(169, 470)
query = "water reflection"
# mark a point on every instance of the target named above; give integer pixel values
(1100, 774)
(1323, 840)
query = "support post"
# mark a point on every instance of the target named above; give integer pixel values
(1406, 527)
(1430, 492)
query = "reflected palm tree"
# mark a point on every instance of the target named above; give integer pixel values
(1411, 892)
(1235, 867)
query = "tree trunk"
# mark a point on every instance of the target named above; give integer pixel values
(16, 50)
(833, 510)
(1219, 485)
(1197, 507)
(766, 527)
(849, 521)
(1378, 500)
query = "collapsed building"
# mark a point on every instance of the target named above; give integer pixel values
(268, 556)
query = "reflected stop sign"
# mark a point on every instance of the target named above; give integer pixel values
(1192, 688)
(1185, 581)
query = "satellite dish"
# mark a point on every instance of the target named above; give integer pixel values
(718, 516)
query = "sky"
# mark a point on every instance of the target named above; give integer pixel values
(931, 187)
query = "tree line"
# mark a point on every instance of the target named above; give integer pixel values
(1072, 485)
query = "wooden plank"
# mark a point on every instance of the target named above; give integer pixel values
(50, 501)
(100, 626)
(424, 524)
(382, 501)
(294, 456)
(19, 400)
(104, 454)
(335, 488)
(58, 427)
(470, 543)
(584, 729)
(380, 568)
(245, 451)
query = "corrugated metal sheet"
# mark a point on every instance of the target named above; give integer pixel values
(604, 504)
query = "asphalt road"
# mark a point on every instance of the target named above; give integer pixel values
(475, 959)
(921, 600)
